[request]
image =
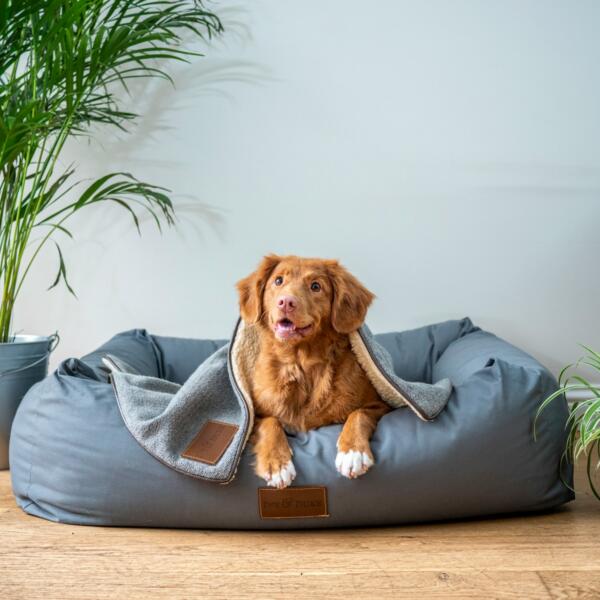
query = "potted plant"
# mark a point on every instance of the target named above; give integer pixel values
(584, 415)
(62, 65)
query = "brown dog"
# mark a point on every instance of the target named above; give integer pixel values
(306, 373)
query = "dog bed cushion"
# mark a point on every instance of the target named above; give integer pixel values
(73, 460)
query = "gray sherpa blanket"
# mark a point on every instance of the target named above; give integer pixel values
(200, 428)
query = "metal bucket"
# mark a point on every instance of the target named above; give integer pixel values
(23, 362)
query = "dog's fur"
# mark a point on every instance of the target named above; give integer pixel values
(306, 374)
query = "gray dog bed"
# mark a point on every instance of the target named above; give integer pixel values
(74, 460)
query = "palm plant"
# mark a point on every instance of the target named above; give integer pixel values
(584, 416)
(62, 63)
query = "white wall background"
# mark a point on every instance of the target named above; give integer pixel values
(447, 152)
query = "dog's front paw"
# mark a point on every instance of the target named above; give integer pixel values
(353, 463)
(278, 475)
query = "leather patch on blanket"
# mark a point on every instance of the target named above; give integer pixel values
(292, 502)
(210, 442)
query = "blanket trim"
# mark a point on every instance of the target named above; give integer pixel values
(382, 373)
(248, 424)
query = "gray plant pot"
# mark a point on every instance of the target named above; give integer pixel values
(23, 362)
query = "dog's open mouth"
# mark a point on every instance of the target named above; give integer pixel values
(286, 329)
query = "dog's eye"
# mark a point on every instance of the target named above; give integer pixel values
(278, 280)
(315, 286)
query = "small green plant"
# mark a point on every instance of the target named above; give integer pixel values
(584, 416)
(61, 64)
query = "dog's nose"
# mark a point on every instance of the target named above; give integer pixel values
(287, 303)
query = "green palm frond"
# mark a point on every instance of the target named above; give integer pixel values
(62, 63)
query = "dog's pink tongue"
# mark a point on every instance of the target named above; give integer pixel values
(284, 326)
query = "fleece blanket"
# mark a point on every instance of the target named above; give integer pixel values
(177, 424)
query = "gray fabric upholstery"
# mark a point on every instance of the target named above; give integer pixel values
(74, 461)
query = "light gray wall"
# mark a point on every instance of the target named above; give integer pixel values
(447, 152)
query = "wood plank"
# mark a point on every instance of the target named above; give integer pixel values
(547, 555)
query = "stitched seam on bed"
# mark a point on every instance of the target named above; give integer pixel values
(30, 472)
(159, 357)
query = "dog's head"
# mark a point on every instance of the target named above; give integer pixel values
(297, 298)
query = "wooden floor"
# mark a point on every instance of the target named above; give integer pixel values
(553, 555)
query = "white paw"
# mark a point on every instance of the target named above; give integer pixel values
(353, 463)
(282, 478)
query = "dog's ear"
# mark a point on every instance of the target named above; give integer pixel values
(351, 299)
(251, 288)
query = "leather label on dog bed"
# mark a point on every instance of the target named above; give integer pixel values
(211, 442)
(293, 502)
